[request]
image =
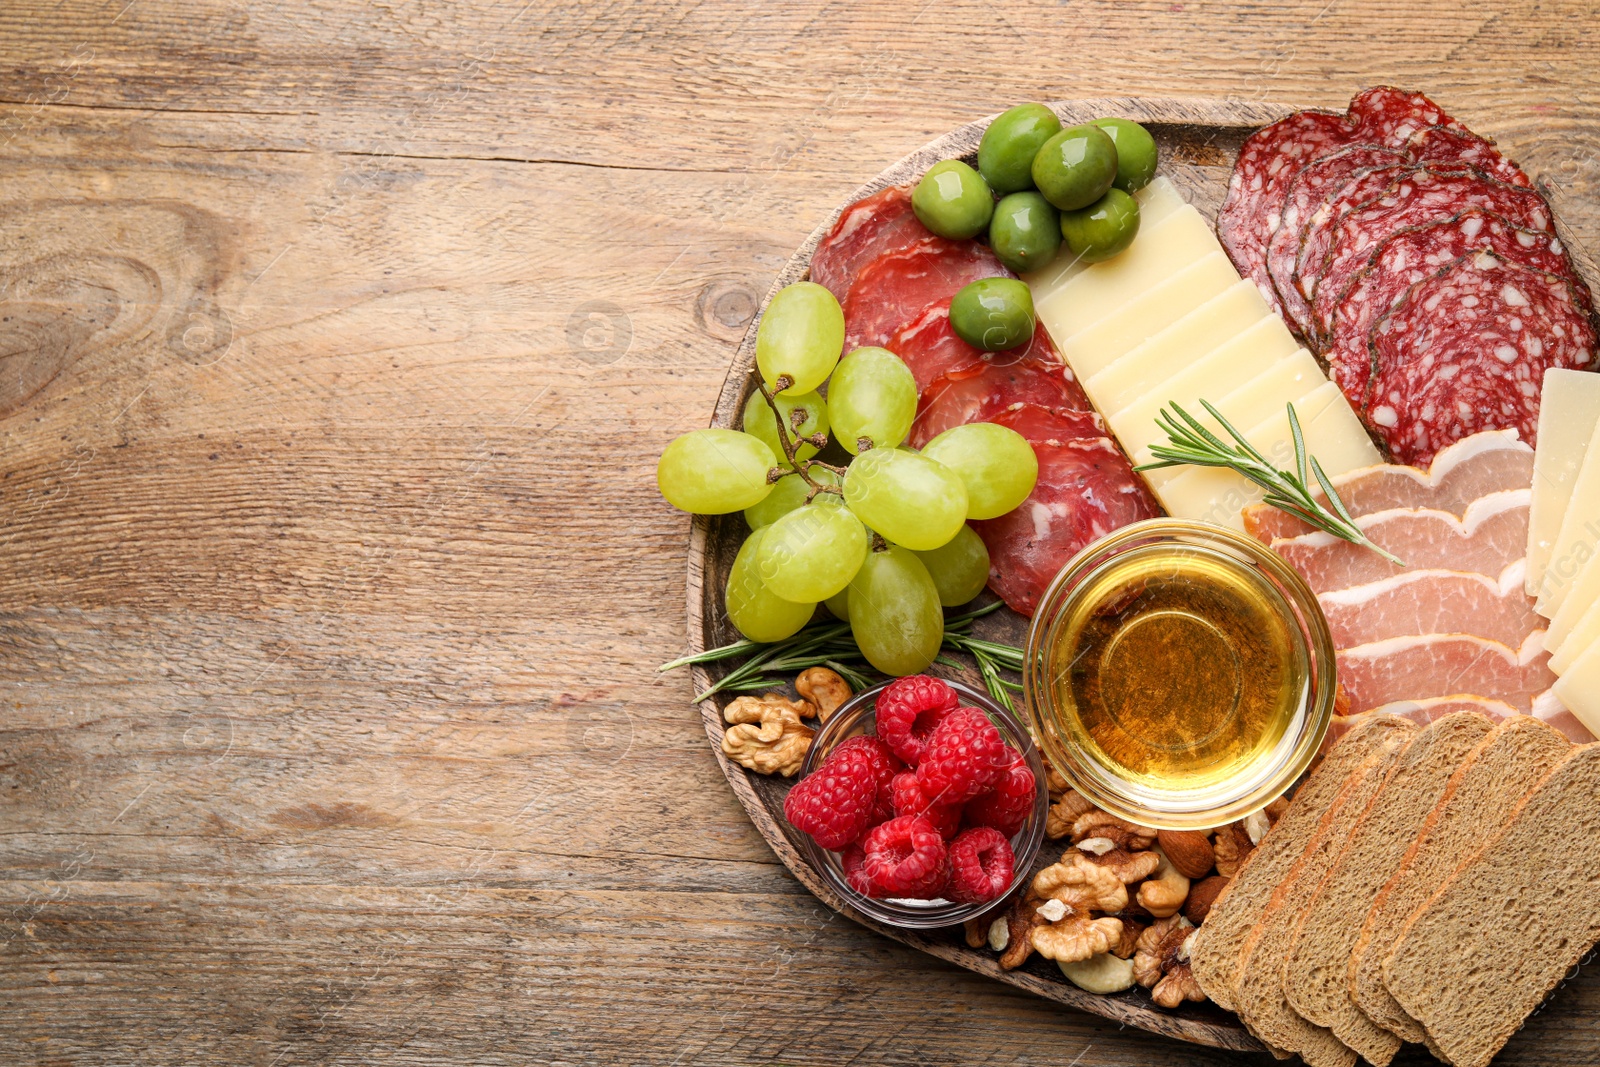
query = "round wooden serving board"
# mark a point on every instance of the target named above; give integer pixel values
(1199, 140)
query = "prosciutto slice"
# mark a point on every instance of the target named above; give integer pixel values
(1423, 665)
(1432, 602)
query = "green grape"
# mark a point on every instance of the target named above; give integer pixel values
(758, 420)
(906, 497)
(995, 463)
(838, 605)
(788, 493)
(959, 569)
(894, 612)
(811, 553)
(758, 612)
(873, 395)
(713, 472)
(801, 336)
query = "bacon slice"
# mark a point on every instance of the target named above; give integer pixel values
(1424, 665)
(1432, 602)
(868, 228)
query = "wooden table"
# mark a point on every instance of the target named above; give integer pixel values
(337, 346)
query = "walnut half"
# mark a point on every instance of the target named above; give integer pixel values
(766, 735)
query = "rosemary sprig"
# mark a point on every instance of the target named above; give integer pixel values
(830, 644)
(1191, 443)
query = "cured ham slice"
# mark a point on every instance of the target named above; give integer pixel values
(893, 289)
(1432, 602)
(1493, 532)
(867, 229)
(1422, 666)
(1085, 490)
(991, 389)
(931, 348)
(1474, 467)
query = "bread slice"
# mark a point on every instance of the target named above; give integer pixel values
(1316, 966)
(1218, 947)
(1260, 1001)
(1508, 925)
(1498, 776)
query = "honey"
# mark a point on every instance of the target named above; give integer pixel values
(1177, 668)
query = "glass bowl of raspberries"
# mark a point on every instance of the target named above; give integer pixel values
(921, 802)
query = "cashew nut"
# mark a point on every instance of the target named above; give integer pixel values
(1104, 973)
(1164, 892)
(824, 688)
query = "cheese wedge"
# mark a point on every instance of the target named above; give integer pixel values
(1103, 343)
(1585, 593)
(1157, 201)
(1579, 689)
(1584, 636)
(1579, 536)
(1569, 411)
(1214, 323)
(1093, 294)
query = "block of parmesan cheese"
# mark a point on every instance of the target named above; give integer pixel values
(1569, 410)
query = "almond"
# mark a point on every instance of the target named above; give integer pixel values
(1202, 895)
(1189, 851)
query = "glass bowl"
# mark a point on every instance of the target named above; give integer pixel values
(1267, 666)
(854, 717)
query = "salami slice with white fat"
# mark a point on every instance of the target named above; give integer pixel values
(895, 288)
(1314, 183)
(1037, 423)
(1466, 350)
(883, 222)
(978, 397)
(1086, 489)
(1415, 254)
(1268, 161)
(1389, 116)
(933, 350)
(1418, 197)
(1446, 144)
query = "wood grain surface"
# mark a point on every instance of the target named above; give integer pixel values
(337, 346)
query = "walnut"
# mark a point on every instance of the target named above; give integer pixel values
(1164, 893)
(1276, 809)
(1156, 952)
(1020, 919)
(1130, 867)
(1064, 812)
(1177, 986)
(976, 931)
(1232, 846)
(1202, 895)
(1097, 823)
(1188, 850)
(1066, 895)
(824, 688)
(1055, 781)
(1076, 937)
(1080, 884)
(766, 734)
(1132, 930)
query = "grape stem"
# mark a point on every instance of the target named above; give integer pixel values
(787, 438)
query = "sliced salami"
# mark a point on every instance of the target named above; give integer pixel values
(895, 288)
(868, 228)
(1086, 489)
(1268, 160)
(1446, 144)
(1315, 182)
(1389, 116)
(980, 396)
(931, 348)
(1413, 255)
(1466, 350)
(1420, 197)
(1317, 234)
(1050, 424)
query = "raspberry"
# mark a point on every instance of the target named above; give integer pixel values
(852, 861)
(1009, 802)
(906, 857)
(961, 758)
(908, 800)
(834, 802)
(908, 710)
(885, 766)
(981, 865)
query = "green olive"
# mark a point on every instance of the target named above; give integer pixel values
(953, 200)
(1005, 155)
(993, 314)
(1025, 232)
(1136, 153)
(1102, 229)
(1075, 167)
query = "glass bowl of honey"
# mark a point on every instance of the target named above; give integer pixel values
(1180, 675)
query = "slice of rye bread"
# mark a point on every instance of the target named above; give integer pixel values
(1317, 964)
(1499, 775)
(1219, 946)
(1260, 1002)
(1508, 925)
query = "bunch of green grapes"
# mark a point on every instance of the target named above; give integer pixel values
(881, 538)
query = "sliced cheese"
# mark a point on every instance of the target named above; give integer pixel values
(1098, 290)
(1157, 201)
(1584, 636)
(1579, 536)
(1579, 689)
(1269, 432)
(1103, 343)
(1569, 411)
(1208, 326)
(1585, 593)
